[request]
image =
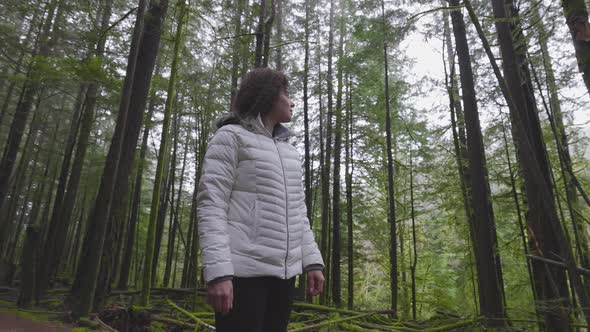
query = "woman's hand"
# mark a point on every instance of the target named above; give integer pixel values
(315, 282)
(220, 296)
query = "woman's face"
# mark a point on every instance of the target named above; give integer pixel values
(282, 109)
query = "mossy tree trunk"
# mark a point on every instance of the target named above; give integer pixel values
(144, 48)
(162, 157)
(489, 271)
(393, 277)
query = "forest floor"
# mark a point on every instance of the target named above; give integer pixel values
(9, 322)
(172, 310)
(46, 317)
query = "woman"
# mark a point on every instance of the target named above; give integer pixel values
(253, 228)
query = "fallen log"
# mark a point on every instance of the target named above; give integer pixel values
(190, 315)
(330, 322)
(172, 321)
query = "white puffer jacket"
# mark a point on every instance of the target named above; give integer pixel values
(251, 208)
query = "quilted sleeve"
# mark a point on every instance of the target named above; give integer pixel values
(215, 185)
(310, 254)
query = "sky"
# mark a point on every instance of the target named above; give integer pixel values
(427, 62)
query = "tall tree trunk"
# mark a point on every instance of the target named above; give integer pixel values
(165, 199)
(29, 91)
(336, 238)
(460, 146)
(325, 203)
(10, 207)
(558, 128)
(129, 120)
(490, 285)
(279, 51)
(514, 193)
(19, 63)
(259, 50)
(136, 200)
(237, 45)
(390, 183)
(546, 235)
(174, 215)
(307, 156)
(458, 128)
(13, 243)
(51, 256)
(29, 260)
(267, 33)
(202, 122)
(349, 165)
(162, 158)
(414, 262)
(576, 15)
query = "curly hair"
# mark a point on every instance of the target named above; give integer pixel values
(259, 89)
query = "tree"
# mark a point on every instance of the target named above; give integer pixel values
(390, 182)
(545, 233)
(576, 16)
(325, 185)
(133, 101)
(489, 270)
(349, 171)
(162, 157)
(336, 215)
(47, 37)
(65, 200)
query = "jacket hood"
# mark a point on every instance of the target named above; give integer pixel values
(252, 124)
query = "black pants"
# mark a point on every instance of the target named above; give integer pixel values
(261, 304)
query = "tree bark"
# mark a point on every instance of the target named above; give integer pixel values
(561, 140)
(576, 15)
(336, 185)
(325, 203)
(51, 256)
(136, 200)
(174, 223)
(259, 50)
(489, 271)
(349, 165)
(19, 64)
(134, 96)
(162, 159)
(546, 235)
(279, 51)
(237, 45)
(27, 98)
(29, 263)
(267, 34)
(393, 279)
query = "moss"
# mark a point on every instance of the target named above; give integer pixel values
(138, 308)
(158, 327)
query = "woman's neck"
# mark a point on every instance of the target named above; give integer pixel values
(268, 123)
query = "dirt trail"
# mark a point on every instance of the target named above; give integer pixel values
(10, 323)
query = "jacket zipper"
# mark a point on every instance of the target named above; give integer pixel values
(286, 203)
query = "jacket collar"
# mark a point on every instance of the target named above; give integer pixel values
(255, 125)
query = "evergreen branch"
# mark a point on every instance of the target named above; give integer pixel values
(232, 37)
(413, 17)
